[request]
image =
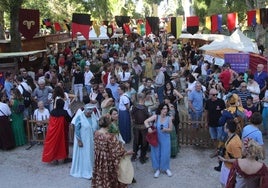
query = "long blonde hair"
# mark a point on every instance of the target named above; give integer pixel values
(253, 149)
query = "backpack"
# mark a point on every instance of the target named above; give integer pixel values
(239, 119)
(130, 101)
(139, 114)
(26, 97)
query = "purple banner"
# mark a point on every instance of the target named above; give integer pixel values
(239, 61)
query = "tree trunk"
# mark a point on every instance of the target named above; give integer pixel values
(15, 43)
(2, 26)
(260, 30)
(260, 34)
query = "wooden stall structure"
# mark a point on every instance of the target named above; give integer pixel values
(37, 130)
(188, 135)
(33, 54)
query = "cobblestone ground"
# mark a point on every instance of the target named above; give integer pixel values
(21, 168)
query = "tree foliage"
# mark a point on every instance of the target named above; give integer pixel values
(153, 1)
(12, 7)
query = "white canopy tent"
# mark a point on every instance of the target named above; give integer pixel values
(206, 37)
(236, 42)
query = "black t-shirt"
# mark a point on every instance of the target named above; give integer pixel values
(214, 109)
(78, 78)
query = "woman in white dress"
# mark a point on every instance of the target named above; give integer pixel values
(83, 148)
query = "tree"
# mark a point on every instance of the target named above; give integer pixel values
(260, 31)
(12, 7)
(56, 10)
(2, 24)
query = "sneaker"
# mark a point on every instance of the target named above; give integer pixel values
(217, 168)
(134, 180)
(156, 174)
(168, 173)
(143, 159)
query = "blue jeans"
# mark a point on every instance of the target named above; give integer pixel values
(216, 133)
(196, 116)
(88, 89)
(160, 93)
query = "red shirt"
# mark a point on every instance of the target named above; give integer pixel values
(61, 62)
(225, 78)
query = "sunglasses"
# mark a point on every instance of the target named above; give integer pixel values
(215, 94)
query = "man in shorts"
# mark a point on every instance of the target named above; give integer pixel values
(213, 108)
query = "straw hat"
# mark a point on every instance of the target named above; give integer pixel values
(125, 170)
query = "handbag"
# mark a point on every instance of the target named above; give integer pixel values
(125, 170)
(152, 137)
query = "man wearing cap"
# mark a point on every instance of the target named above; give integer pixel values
(159, 82)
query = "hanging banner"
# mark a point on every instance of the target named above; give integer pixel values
(29, 22)
(81, 23)
(192, 24)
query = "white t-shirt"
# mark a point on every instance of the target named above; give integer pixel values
(39, 116)
(122, 101)
(88, 76)
(124, 78)
(5, 110)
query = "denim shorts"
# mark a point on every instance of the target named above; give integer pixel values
(196, 116)
(216, 133)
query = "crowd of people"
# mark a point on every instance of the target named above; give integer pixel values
(127, 87)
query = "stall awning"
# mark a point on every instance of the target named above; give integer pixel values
(20, 54)
(61, 41)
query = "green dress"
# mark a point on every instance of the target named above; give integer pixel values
(114, 129)
(17, 124)
(174, 143)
